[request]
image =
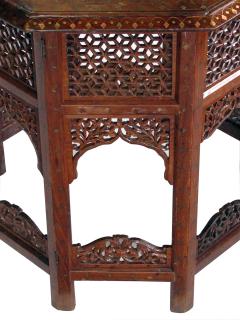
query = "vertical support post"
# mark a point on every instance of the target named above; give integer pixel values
(48, 55)
(192, 61)
(2, 156)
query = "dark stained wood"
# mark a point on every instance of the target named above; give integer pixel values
(133, 70)
(151, 274)
(54, 170)
(192, 47)
(221, 232)
(2, 156)
(231, 128)
(24, 249)
(76, 7)
(134, 14)
(218, 249)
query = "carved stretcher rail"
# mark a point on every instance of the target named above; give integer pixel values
(121, 250)
(219, 226)
(18, 224)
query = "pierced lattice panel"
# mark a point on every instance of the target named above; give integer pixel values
(121, 64)
(16, 53)
(223, 51)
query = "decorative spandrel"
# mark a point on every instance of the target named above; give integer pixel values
(15, 109)
(156, 133)
(121, 64)
(121, 249)
(216, 113)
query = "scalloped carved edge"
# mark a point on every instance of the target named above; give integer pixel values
(220, 225)
(19, 224)
(156, 133)
(135, 22)
(120, 249)
(24, 115)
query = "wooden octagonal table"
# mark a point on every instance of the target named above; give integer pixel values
(78, 74)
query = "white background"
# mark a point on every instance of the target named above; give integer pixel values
(120, 190)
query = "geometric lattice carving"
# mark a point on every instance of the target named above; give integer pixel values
(219, 111)
(15, 221)
(120, 64)
(25, 115)
(16, 54)
(152, 132)
(223, 51)
(121, 249)
(219, 226)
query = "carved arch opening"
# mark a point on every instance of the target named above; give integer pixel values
(86, 133)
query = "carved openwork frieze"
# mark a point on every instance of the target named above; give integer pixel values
(121, 249)
(15, 109)
(18, 224)
(216, 113)
(121, 64)
(16, 54)
(219, 226)
(156, 133)
(223, 51)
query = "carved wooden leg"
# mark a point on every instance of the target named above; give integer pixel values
(54, 169)
(193, 47)
(2, 159)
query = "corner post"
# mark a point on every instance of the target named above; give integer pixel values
(2, 156)
(48, 58)
(192, 62)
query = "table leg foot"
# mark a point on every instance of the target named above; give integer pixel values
(64, 302)
(181, 297)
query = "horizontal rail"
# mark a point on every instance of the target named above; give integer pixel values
(218, 249)
(154, 274)
(24, 249)
(18, 89)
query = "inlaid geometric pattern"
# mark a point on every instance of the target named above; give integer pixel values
(223, 51)
(216, 113)
(120, 64)
(16, 54)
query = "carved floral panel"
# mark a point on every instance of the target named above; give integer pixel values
(156, 133)
(18, 224)
(219, 226)
(121, 249)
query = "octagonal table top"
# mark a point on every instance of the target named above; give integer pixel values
(123, 14)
